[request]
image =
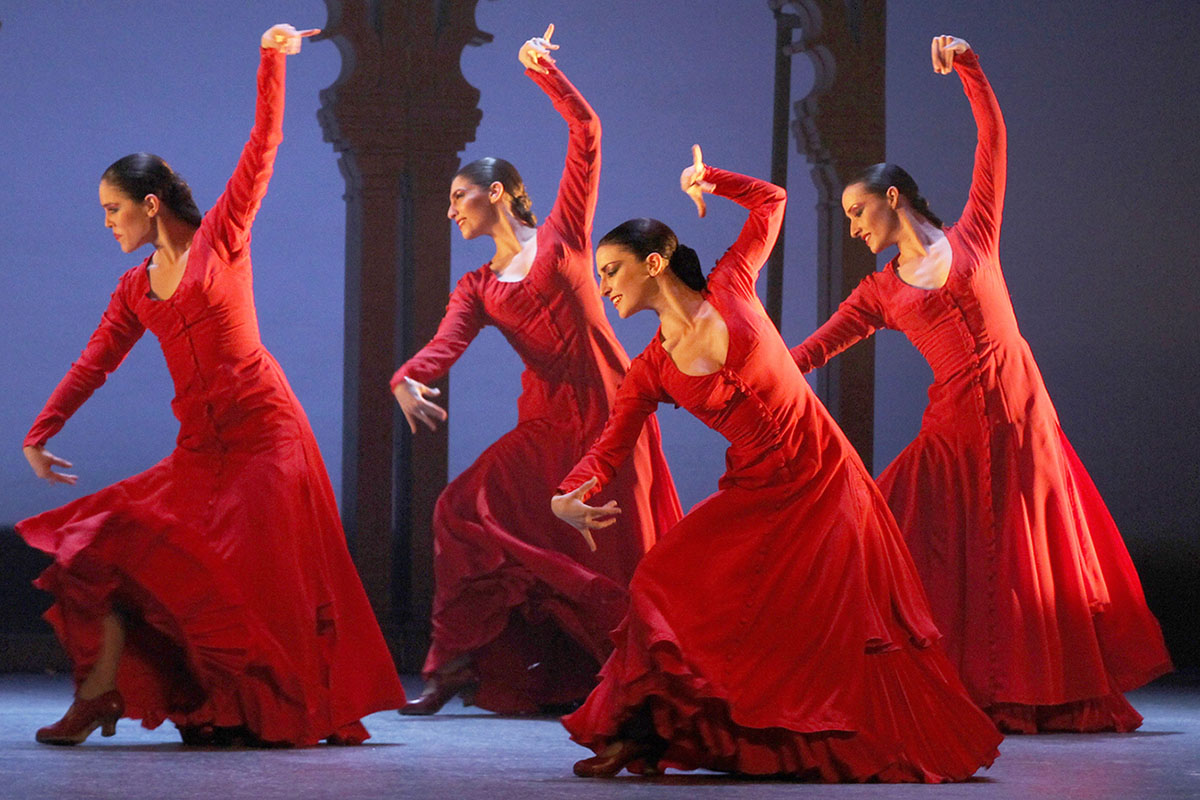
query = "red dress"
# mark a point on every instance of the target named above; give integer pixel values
(515, 588)
(779, 628)
(1026, 572)
(227, 557)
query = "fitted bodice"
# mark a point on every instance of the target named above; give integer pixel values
(968, 333)
(226, 383)
(553, 317)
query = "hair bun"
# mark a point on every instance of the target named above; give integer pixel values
(686, 265)
(488, 170)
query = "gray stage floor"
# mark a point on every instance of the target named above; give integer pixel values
(465, 754)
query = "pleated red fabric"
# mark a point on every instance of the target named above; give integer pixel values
(515, 590)
(779, 628)
(227, 558)
(1026, 572)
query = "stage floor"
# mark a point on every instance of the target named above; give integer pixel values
(462, 753)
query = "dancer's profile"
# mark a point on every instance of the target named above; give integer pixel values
(522, 609)
(779, 628)
(1026, 572)
(214, 589)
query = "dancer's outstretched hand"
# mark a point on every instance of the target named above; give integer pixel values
(944, 48)
(536, 52)
(692, 181)
(285, 38)
(571, 509)
(42, 462)
(411, 396)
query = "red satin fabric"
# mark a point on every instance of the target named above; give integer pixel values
(516, 589)
(227, 557)
(779, 628)
(1026, 571)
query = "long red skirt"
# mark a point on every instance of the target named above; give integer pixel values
(1027, 576)
(242, 605)
(782, 631)
(518, 591)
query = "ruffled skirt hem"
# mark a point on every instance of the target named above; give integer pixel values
(194, 654)
(915, 723)
(1111, 713)
(541, 659)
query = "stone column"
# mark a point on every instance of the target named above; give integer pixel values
(840, 126)
(399, 114)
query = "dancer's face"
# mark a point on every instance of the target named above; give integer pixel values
(625, 279)
(872, 216)
(473, 207)
(131, 221)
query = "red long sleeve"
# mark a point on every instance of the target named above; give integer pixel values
(637, 398)
(641, 391)
(985, 202)
(462, 322)
(230, 217)
(740, 265)
(570, 219)
(226, 225)
(118, 331)
(579, 186)
(861, 314)
(858, 316)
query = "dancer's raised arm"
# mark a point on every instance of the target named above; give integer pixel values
(740, 265)
(575, 205)
(985, 203)
(230, 218)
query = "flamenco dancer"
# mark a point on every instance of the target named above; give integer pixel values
(1026, 573)
(213, 590)
(779, 628)
(522, 608)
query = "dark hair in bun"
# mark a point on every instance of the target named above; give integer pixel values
(486, 171)
(140, 174)
(644, 236)
(878, 178)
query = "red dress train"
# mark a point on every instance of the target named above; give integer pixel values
(515, 589)
(227, 558)
(779, 628)
(1026, 572)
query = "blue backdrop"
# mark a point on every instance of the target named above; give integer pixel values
(1098, 232)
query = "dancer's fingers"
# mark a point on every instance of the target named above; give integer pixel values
(549, 32)
(947, 54)
(530, 56)
(608, 509)
(59, 477)
(587, 537)
(435, 410)
(935, 53)
(408, 414)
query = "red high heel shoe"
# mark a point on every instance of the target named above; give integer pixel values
(616, 757)
(441, 688)
(83, 717)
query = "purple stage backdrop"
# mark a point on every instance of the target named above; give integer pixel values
(1098, 237)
